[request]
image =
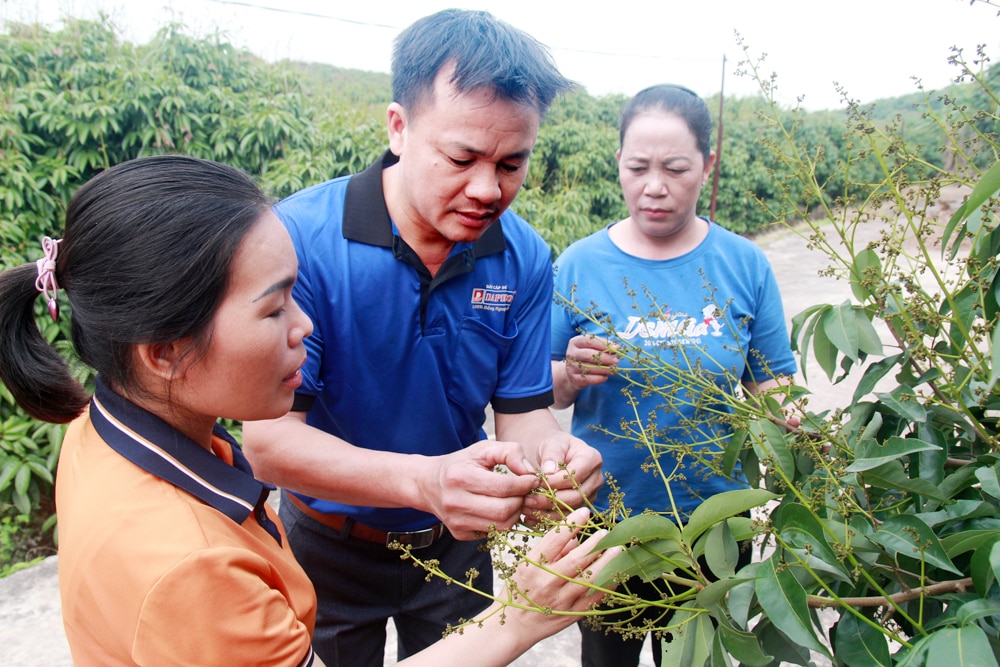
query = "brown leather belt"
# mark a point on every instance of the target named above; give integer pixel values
(415, 539)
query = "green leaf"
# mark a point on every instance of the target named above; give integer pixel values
(639, 528)
(867, 267)
(7, 472)
(23, 503)
(775, 642)
(868, 339)
(768, 442)
(988, 481)
(875, 372)
(741, 596)
(802, 325)
(966, 311)
(869, 454)
(987, 186)
(716, 591)
(994, 359)
(742, 645)
(802, 531)
(825, 351)
(872, 427)
(722, 506)
(973, 610)
(985, 565)
(957, 510)
(648, 561)
(783, 600)
(722, 553)
(903, 401)
(967, 540)
(844, 534)
(41, 471)
(860, 645)
(810, 318)
(733, 450)
(891, 476)
(956, 482)
(916, 655)
(22, 479)
(908, 536)
(966, 646)
(720, 656)
(692, 642)
(840, 326)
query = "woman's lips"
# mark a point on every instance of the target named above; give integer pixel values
(294, 380)
(656, 213)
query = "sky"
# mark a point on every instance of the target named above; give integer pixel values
(871, 48)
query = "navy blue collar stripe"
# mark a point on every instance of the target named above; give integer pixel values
(158, 448)
(151, 458)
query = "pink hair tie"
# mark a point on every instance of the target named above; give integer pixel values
(46, 282)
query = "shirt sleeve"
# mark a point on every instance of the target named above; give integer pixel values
(220, 606)
(525, 380)
(770, 346)
(562, 321)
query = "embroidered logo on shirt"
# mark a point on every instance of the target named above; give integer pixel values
(493, 297)
(674, 328)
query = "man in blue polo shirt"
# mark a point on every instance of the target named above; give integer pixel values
(430, 301)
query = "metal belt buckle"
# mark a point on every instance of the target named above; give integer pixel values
(415, 539)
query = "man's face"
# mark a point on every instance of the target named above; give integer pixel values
(463, 159)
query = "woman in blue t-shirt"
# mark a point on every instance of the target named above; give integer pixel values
(668, 286)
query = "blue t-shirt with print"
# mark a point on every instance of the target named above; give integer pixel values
(715, 311)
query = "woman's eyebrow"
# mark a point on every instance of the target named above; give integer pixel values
(279, 286)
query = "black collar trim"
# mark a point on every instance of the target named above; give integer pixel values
(366, 218)
(161, 450)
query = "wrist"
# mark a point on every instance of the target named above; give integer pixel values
(563, 387)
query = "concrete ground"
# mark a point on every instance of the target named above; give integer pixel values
(30, 626)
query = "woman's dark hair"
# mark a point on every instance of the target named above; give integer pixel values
(677, 100)
(486, 53)
(145, 258)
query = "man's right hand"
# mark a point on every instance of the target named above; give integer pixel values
(478, 487)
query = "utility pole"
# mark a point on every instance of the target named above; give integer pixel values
(718, 143)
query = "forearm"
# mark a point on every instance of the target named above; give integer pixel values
(758, 388)
(492, 644)
(562, 388)
(291, 454)
(463, 489)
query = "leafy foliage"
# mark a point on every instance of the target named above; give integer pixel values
(79, 100)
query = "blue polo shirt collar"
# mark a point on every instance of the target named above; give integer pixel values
(163, 451)
(366, 218)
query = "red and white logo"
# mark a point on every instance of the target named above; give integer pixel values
(492, 298)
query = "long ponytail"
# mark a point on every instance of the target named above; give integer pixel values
(35, 373)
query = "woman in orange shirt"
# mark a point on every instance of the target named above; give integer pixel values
(179, 279)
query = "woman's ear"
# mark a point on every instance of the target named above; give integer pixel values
(161, 360)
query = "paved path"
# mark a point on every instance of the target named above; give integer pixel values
(30, 627)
